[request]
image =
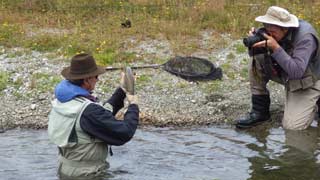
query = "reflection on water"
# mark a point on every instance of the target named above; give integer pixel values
(290, 155)
(164, 154)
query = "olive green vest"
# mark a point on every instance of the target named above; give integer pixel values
(80, 155)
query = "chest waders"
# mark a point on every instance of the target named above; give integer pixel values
(260, 103)
(80, 155)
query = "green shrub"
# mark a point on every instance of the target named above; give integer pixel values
(4, 80)
(240, 48)
(105, 58)
(10, 34)
(44, 82)
(44, 43)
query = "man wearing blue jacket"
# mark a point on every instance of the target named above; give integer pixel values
(82, 128)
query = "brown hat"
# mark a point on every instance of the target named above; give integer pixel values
(82, 66)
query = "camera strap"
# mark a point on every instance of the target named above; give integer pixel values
(266, 64)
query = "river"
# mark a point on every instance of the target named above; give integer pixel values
(200, 153)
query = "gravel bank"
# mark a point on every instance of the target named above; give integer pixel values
(165, 100)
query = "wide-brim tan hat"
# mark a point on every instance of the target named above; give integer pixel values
(82, 66)
(279, 16)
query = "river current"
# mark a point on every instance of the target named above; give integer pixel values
(202, 153)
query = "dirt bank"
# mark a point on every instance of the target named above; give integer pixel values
(165, 100)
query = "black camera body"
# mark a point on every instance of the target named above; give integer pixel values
(257, 37)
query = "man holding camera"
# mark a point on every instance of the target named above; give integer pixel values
(286, 50)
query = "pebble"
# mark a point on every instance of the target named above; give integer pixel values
(33, 106)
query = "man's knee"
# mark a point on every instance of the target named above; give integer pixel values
(296, 123)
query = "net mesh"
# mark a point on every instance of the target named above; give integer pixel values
(193, 68)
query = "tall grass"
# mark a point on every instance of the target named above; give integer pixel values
(94, 26)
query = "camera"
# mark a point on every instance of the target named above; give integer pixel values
(257, 37)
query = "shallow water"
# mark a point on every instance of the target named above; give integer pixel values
(206, 153)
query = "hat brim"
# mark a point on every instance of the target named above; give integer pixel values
(294, 21)
(66, 73)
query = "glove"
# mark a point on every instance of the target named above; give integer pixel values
(127, 81)
(133, 99)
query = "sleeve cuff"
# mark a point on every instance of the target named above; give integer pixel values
(277, 52)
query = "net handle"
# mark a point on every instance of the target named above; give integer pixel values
(154, 66)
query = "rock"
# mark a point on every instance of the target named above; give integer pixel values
(33, 106)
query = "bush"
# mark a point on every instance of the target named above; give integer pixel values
(4, 79)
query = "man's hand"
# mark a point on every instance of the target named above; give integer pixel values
(252, 31)
(133, 99)
(270, 43)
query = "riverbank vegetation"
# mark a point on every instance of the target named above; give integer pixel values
(99, 26)
(38, 37)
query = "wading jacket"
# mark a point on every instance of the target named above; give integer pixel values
(312, 72)
(82, 129)
(296, 70)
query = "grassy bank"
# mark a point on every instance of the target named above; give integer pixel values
(73, 26)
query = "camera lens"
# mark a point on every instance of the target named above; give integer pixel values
(246, 41)
(251, 40)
